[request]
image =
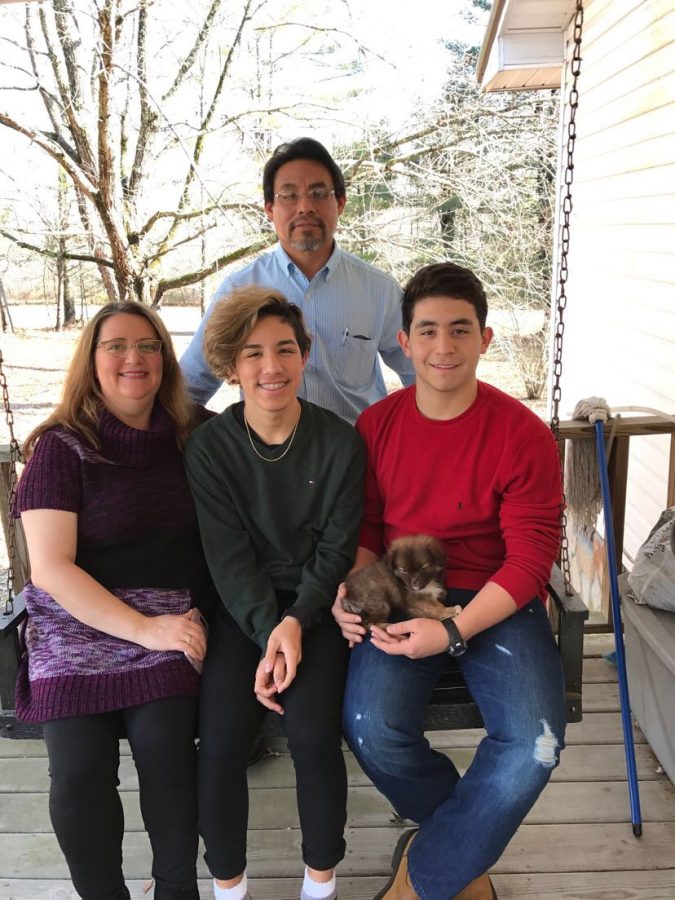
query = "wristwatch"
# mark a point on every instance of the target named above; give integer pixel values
(457, 645)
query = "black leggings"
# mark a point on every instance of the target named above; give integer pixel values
(230, 717)
(85, 806)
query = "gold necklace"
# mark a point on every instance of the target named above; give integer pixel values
(267, 458)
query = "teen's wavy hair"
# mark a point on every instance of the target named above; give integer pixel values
(82, 401)
(235, 316)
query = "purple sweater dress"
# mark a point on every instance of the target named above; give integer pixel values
(137, 535)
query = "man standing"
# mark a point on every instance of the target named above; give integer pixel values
(352, 310)
(457, 459)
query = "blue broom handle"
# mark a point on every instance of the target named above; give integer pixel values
(618, 633)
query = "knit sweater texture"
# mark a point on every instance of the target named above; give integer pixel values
(137, 535)
(288, 525)
(486, 484)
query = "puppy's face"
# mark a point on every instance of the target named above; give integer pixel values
(417, 560)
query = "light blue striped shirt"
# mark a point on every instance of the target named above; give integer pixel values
(353, 312)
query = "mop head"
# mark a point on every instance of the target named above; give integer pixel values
(595, 409)
(582, 479)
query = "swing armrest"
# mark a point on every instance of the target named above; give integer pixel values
(569, 603)
(569, 614)
(9, 622)
(10, 648)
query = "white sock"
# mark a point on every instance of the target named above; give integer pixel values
(316, 889)
(238, 892)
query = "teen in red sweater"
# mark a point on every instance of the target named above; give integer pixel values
(460, 460)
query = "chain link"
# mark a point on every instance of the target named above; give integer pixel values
(14, 460)
(563, 271)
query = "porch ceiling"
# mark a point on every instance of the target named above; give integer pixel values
(524, 45)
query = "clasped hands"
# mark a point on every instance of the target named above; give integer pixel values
(279, 666)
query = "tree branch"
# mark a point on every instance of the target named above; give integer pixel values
(323, 30)
(195, 213)
(55, 254)
(199, 143)
(95, 246)
(106, 201)
(63, 18)
(69, 104)
(48, 99)
(56, 152)
(149, 119)
(105, 161)
(169, 284)
(152, 258)
(189, 60)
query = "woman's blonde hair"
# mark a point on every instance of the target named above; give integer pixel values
(81, 401)
(234, 318)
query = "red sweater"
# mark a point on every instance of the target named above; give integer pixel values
(487, 484)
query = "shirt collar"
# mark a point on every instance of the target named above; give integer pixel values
(290, 267)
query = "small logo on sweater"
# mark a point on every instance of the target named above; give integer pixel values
(311, 482)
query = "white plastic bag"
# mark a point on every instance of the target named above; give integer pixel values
(652, 580)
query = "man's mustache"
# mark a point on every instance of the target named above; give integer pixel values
(300, 223)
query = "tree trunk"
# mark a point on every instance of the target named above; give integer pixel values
(69, 315)
(64, 291)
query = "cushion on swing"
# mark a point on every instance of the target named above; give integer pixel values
(10, 621)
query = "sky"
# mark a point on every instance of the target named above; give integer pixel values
(406, 62)
(404, 68)
(410, 36)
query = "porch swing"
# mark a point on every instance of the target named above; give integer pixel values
(451, 705)
(14, 612)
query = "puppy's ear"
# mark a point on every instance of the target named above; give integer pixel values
(390, 556)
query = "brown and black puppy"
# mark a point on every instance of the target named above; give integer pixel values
(407, 582)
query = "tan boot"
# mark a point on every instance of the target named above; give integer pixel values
(480, 889)
(399, 887)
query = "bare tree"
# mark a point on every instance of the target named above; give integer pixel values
(470, 180)
(162, 124)
(145, 149)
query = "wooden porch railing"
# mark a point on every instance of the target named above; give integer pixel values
(624, 428)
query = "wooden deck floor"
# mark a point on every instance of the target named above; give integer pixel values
(576, 844)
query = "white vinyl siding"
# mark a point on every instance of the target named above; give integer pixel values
(620, 319)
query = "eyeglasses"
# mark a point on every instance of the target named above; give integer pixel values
(316, 195)
(121, 348)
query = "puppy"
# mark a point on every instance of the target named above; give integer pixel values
(408, 582)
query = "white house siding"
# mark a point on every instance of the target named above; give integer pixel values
(620, 319)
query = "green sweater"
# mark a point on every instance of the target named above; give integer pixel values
(289, 525)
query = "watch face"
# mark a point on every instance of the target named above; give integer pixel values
(457, 649)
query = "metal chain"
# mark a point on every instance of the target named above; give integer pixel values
(14, 460)
(561, 300)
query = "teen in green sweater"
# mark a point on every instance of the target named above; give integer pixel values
(278, 486)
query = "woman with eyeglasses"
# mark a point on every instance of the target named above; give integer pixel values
(114, 638)
(278, 484)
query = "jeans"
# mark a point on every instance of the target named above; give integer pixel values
(85, 806)
(514, 673)
(230, 716)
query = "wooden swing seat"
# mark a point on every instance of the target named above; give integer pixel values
(452, 707)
